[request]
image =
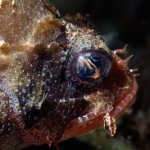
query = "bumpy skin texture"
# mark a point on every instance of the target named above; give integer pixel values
(41, 101)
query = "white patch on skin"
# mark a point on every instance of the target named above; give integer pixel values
(86, 117)
(119, 107)
(13, 2)
(126, 87)
(1, 3)
(2, 42)
(80, 119)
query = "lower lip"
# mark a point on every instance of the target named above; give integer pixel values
(125, 102)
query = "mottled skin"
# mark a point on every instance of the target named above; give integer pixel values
(40, 100)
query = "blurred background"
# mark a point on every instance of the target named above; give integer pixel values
(121, 22)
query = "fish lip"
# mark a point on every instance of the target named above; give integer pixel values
(126, 101)
(74, 127)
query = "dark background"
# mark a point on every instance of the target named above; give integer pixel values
(121, 22)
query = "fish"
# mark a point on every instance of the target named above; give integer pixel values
(58, 78)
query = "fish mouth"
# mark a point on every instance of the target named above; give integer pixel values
(125, 102)
(94, 120)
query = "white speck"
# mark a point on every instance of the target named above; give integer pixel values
(24, 90)
(85, 97)
(79, 119)
(63, 100)
(43, 74)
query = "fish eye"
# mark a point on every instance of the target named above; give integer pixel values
(90, 65)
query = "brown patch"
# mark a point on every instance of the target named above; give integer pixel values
(36, 57)
(4, 61)
(62, 39)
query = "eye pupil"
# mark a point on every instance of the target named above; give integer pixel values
(90, 65)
